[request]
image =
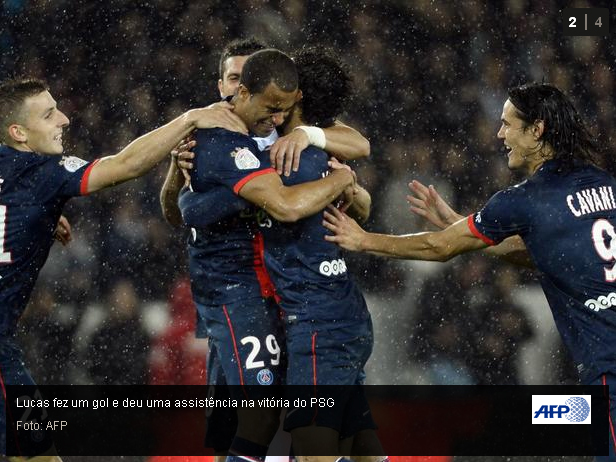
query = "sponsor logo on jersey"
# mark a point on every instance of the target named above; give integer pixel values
(265, 377)
(478, 217)
(602, 302)
(245, 159)
(561, 409)
(72, 164)
(333, 268)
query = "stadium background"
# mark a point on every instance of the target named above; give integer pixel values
(431, 77)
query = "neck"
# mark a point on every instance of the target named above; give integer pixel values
(294, 121)
(545, 154)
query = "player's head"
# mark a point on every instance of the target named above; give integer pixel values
(232, 59)
(325, 84)
(267, 91)
(540, 123)
(29, 117)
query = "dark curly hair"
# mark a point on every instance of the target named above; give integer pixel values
(325, 84)
(564, 129)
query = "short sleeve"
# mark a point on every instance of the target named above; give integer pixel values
(226, 158)
(504, 215)
(66, 176)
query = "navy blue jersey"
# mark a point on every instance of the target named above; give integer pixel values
(567, 223)
(309, 273)
(200, 210)
(226, 256)
(33, 191)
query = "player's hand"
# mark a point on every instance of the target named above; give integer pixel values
(62, 234)
(334, 164)
(183, 157)
(220, 115)
(346, 232)
(347, 198)
(287, 150)
(428, 203)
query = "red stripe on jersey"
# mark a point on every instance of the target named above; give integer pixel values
(235, 350)
(609, 404)
(265, 282)
(246, 179)
(83, 189)
(477, 233)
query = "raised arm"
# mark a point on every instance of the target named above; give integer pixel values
(292, 203)
(217, 115)
(339, 140)
(141, 155)
(432, 246)
(426, 202)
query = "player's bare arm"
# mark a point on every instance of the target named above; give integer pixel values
(220, 116)
(339, 140)
(146, 151)
(292, 203)
(433, 246)
(177, 177)
(426, 202)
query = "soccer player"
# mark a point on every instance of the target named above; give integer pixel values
(230, 284)
(329, 333)
(36, 180)
(562, 217)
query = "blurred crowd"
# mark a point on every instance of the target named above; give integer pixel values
(431, 77)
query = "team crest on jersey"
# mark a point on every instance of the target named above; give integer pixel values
(265, 377)
(245, 159)
(478, 217)
(71, 163)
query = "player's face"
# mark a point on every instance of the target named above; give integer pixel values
(522, 143)
(230, 80)
(262, 112)
(43, 124)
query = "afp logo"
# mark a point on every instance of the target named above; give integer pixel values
(561, 409)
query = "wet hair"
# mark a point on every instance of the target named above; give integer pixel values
(269, 66)
(238, 47)
(325, 84)
(564, 129)
(13, 94)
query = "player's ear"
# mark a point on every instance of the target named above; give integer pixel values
(220, 88)
(243, 92)
(18, 133)
(538, 129)
(299, 96)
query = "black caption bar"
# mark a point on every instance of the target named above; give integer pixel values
(412, 420)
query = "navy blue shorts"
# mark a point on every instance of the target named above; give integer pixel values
(329, 357)
(247, 338)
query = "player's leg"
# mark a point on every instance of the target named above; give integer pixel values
(248, 337)
(221, 421)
